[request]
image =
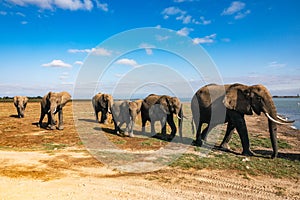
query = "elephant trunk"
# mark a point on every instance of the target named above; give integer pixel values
(271, 113)
(20, 110)
(180, 121)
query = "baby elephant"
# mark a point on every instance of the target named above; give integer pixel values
(126, 112)
(20, 103)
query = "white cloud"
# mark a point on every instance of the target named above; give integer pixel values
(62, 4)
(102, 6)
(181, 1)
(64, 75)
(78, 63)
(57, 63)
(275, 64)
(234, 7)
(24, 22)
(45, 4)
(126, 61)
(241, 15)
(205, 40)
(184, 31)
(20, 14)
(148, 48)
(95, 51)
(3, 13)
(204, 21)
(185, 19)
(181, 15)
(161, 38)
(172, 11)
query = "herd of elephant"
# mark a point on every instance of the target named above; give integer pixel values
(212, 105)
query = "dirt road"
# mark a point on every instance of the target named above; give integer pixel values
(69, 175)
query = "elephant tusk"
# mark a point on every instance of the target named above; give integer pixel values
(274, 120)
(54, 111)
(178, 117)
(284, 120)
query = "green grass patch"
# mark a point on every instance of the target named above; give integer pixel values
(278, 168)
(120, 142)
(53, 146)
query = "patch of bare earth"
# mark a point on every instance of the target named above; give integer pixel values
(37, 163)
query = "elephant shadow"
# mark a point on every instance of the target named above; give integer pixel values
(43, 126)
(263, 153)
(287, 156)
(14, 116)
(106, 130)
(88, 120)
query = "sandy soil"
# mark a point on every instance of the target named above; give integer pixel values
(37, 163)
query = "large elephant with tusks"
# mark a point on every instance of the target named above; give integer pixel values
(53, 103)
(215, 104)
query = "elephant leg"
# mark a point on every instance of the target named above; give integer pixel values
(143, 125)
(104, 117)
(116, 127)
(50, 123)
(163, 129)
(171, 123)
(227, 137)
(41, 119)
(241, 127)
(152, 127)
(60, 120)
(198, 135)
(96, 113)
(130, 128)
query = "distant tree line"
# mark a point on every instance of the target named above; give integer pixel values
(7, 98)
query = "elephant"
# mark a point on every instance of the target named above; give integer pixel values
(229, 103)
(161, 108)
(51, 104)
(125, 112)
(20, 103)
(102, 103)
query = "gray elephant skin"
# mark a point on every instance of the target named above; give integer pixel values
(102, 103)
(162, 108)
(20, 103)
(53, 103)
(125, 112)
(215, 104)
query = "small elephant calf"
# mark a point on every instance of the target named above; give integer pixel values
(126, 112)
(20, 103)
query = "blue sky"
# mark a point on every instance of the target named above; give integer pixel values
(45, 43)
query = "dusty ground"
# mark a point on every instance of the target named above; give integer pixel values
(37, 163)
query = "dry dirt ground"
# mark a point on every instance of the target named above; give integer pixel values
(36, 163)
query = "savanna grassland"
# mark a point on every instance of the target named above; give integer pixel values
(40, 163)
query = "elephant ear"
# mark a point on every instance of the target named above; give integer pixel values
(65, 97)
(25, 101)
(103, 100)
(165, 105)
(237, 98)
(16, 101)
(136, 105)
